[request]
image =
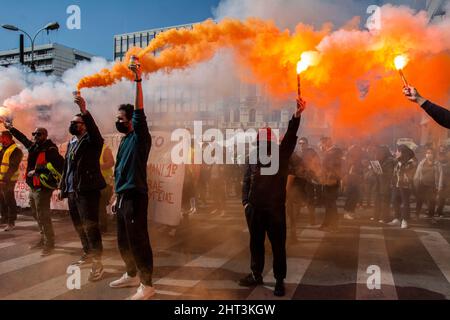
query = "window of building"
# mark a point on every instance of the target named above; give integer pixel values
(236, 115)
(252, 115)
(276, 116)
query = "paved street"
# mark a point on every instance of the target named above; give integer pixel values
(209, 254)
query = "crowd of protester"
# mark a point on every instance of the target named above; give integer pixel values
(393, 185)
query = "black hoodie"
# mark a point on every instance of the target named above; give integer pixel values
(51, 154)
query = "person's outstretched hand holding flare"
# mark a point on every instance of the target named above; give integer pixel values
(413, 95)
(301, 107)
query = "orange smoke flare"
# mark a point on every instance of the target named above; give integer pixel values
(355, 83)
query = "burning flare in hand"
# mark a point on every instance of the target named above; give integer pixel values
(308, 59)
(401, 62)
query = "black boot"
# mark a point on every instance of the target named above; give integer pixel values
(251, 281)
(280, 290)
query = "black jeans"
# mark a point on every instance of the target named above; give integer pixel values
(428, 195)
(273, 222)
(301, 193)
(401, 202)
(382, 210)
(132, 235)
(353, 197)
(83, 208)
(105, 199)
(8, 205)
(330, 196)
(40, 208)
(441, 202)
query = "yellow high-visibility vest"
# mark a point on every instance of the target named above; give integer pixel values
(5, 163)
(107, 173)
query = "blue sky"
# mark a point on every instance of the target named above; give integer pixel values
(101, 20)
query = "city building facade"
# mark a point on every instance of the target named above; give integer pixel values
(51, 59)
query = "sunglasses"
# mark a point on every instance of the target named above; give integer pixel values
(37, 134)
(76, 122)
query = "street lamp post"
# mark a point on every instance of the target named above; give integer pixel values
(48, 27)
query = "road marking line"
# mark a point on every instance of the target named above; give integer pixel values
(373, 252)
(297, 268)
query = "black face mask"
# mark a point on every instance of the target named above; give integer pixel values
(73, 130)
(122, 127)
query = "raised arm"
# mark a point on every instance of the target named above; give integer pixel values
(439, 114)
(289, 142)
(139, 119)
(139, 102)
(27, 143)
(94, 133)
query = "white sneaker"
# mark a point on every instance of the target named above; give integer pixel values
(394, 222)
(381, 221)
(405, 224)
(348, 216)
(126, 282)
(9, 228)
(143, 293)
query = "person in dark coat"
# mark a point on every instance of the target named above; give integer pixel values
(439, 114)
(403, 181)
(82, 182)
(444, 194)
(383, 186)
(331, 180)
(44, 167)
(304, 169)
(264, 200)
(354, 180)
(428, 183)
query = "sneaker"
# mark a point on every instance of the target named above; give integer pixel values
(125, 282)
(97, 272)
(10, 228)
(251, 281)
(348, 216)
(394, 222)
(280, 290)
(372, 219)
(381, 221)
(46, 251)
(38, 245)
(404, 224)
(214, 211)
(144, 293)
(85, 258)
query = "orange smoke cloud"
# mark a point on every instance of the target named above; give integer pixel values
(355, 80)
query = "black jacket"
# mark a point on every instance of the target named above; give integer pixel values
(264, 191)
(332, 167)
(87, 175)
(439, 114)
(51, 154)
